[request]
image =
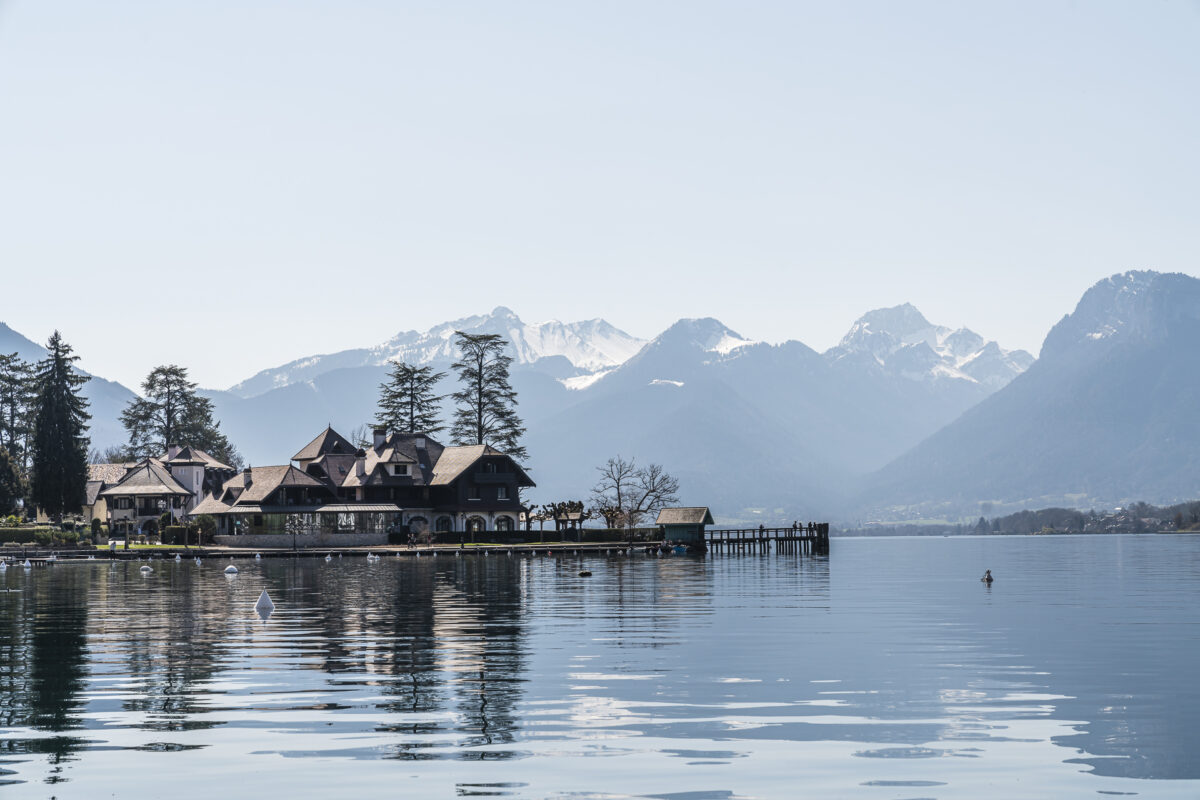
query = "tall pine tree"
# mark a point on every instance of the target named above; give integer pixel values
(16, 408)
(60, 441)
(485, 411)
(171, 412)
(408, 402)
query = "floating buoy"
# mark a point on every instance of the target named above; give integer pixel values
(147, 570)
(328, 557)
(178, 557)
(583, 573)
(231, 570)
(3, 566)
(197, 559)
(257, 556)
(264, 606)
(27, 565)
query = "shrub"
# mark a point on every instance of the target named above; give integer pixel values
(207, 525)
(20, 536)
(95, 527)
(173, 534)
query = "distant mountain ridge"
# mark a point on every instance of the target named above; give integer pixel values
(1107, 414)
(579, 348)
(902, 341)
(756, 430)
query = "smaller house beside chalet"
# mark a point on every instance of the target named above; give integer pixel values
(402, 482)
(130, 494)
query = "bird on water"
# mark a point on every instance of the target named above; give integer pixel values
(987, 576)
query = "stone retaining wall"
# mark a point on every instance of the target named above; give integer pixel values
(305, 540)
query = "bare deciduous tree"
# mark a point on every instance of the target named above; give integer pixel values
(626, 493)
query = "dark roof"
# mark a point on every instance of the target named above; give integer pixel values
(194, 455)
(90, 492)
(698, 515)
(397, 448)
(148, 478)
(327, 441)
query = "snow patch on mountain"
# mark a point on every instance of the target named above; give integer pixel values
(591, 346)
(900, 340)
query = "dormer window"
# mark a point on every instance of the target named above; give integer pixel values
(399, 469)
(489, 467)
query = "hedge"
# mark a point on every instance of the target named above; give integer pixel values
(39, 536)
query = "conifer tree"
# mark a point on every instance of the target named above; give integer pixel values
(16, 408)
(60, 441)
(408, 402)
(11, 489)
(171, 412)
(485, 411)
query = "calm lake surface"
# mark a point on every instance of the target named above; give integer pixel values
(886, 670)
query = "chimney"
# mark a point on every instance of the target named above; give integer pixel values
(379, 438)
(419, 442)
(247, 478)
(360, 464)
(172, 451)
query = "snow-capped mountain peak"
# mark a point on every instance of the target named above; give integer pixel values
(901, 340)
(591, 346)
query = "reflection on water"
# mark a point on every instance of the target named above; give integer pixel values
(885, 671)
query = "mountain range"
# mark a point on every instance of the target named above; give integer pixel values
(902, 418)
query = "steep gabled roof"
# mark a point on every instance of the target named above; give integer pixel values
(454, 461)
(264, 480)
(398, 448)
(698, 515)
(149, 477)
(327, 441)
(91, 491)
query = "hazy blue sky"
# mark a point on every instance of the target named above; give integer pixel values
(229, 185)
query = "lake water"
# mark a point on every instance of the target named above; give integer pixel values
(887, 670)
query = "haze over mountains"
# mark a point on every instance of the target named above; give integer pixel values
(903, 418)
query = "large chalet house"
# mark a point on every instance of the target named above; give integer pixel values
(402, 482)
(128, 495)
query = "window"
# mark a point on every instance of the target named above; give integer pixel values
(473, 493)
(504, 524)
(501, 492)
(489, 467)
(444, 524)
(399, 469)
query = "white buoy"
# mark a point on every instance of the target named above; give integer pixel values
(328, 557)
(27, 565)
(339, 555)
(231, 570)
(197, 559)
(264, 606)
(3, 566)
(147, 570)
(178, 557)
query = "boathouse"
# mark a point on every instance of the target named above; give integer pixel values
(684, 524)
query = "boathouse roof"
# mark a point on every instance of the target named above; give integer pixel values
(697, 515)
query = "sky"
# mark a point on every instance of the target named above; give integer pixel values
(231, 185)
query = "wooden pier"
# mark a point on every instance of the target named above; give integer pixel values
(811, 539)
